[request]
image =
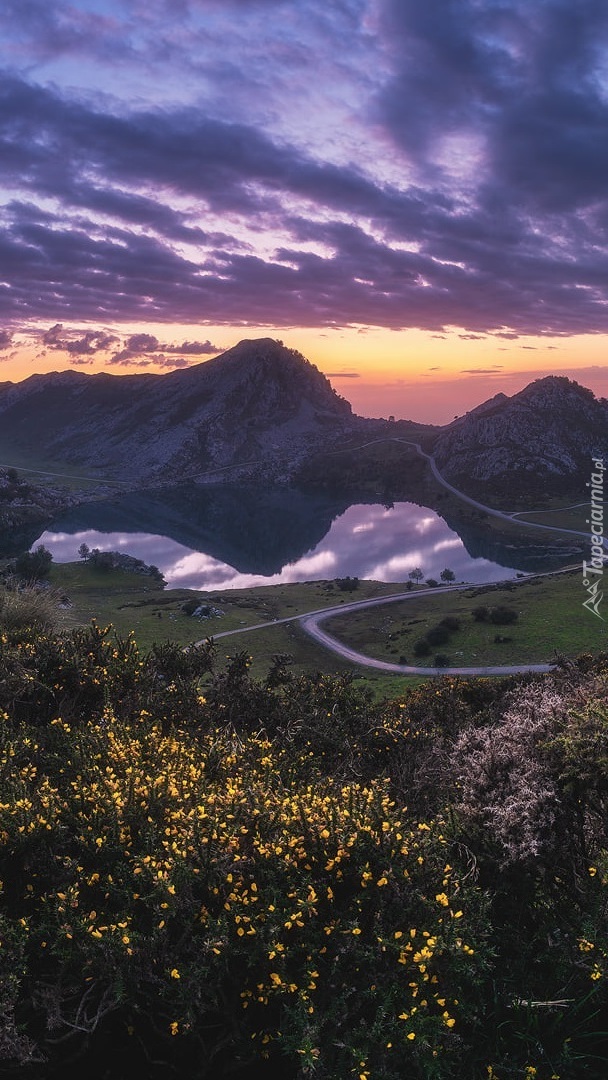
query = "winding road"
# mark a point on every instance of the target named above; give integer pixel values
(310, 621)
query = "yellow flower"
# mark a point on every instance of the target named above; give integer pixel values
(442, 899)
(412, 1036)
(174, 1027)
(175, 974)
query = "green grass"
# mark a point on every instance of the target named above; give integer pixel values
(51, 473)
(551, 619)
(132, 602)
(567, 518)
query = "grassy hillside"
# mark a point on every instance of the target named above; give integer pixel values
(550, 621)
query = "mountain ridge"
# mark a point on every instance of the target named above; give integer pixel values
(257, 412)
(257, 402)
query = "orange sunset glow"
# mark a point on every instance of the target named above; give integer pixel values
(411, 196)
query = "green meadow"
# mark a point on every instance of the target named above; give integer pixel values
(550, 620)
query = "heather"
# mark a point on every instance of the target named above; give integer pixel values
(207, 874)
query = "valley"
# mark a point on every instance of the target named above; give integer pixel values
(252, 482)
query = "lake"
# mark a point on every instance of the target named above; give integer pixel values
(236, 537)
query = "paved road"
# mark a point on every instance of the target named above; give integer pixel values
(503, 514)
(65, 476)
(310, 621)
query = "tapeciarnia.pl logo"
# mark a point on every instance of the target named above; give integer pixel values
(593, 571)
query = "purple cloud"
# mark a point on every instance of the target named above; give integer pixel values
(463, 182)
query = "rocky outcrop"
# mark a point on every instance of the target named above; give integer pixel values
(541, 439)
(24, 507)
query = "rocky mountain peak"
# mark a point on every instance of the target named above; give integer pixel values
(539, 439)
(260, 405)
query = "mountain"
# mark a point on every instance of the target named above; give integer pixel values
(255, 411)
(262, 412)
(542, 439)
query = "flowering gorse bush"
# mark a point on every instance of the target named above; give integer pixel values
(203, 872)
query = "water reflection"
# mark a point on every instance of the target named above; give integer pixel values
(233, 542)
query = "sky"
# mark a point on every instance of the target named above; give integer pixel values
(414, 194)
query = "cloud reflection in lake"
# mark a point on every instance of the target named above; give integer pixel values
(366, 541)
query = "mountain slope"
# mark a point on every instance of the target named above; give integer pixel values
(542, 439)
(258, 402)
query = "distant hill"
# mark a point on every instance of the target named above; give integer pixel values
(540, 440)
(258, 403)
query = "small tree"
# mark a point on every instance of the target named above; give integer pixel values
(84, 551)
(34, 564)
(448, 576)
(416, 575)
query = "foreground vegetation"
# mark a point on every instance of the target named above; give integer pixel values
(208, 874)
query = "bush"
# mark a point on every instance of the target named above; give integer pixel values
(480, 613)
(422, 647)
(32, 565)
(438, 635)
(27, 608)
(232, 876)
(503, 616)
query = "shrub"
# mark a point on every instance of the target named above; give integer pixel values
(438, 635)
(27, 607)
(422, 647)
(503, 616)
(32, 565)
(233, 876)
(480, 613)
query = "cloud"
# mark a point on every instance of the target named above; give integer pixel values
(6, 339)
(342, 375)
(483, 206)
(482, 371)
(194, 348)
(77, 342)
(138, 350)
(144, 344)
